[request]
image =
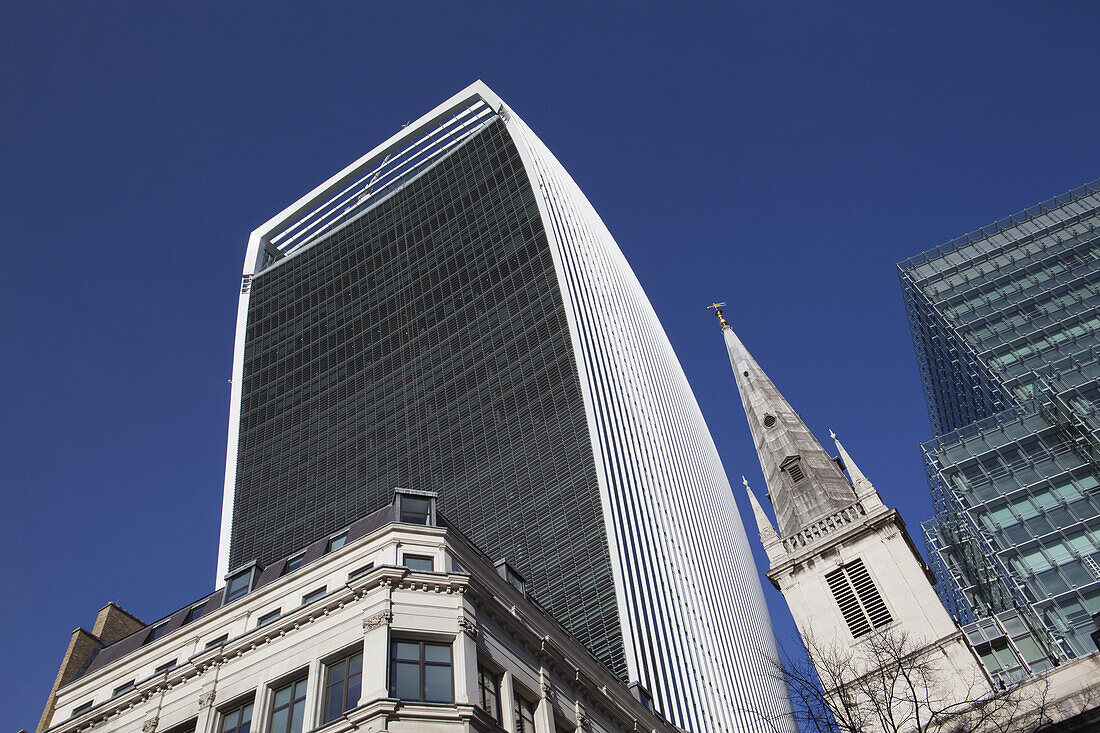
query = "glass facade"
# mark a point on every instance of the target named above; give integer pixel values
(1006, 326)
(425, 344)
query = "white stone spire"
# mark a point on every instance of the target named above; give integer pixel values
(804, 482)
(768, 536)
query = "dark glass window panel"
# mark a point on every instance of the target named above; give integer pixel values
(419, 562)
(524, 715)
(406, 680)
(238, 586)
(293, 564)
(361, 571)
(488, 688)
(238, 720)
(216, 642)
(314, 596)
(337, 542)
(288, 708)
(156, 632)
(269, 617)
(415, 510)
(343, 684)
(421, 671)
(194, 614)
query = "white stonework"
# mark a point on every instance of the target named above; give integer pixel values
(465, 605)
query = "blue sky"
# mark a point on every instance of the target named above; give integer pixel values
(779, 156)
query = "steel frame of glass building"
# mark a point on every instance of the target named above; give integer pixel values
(376, 343)
(1006, 327)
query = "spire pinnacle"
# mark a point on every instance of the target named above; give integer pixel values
(768, 535)
(718, 312)
(865, 490)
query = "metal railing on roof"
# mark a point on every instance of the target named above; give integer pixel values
(373, 183)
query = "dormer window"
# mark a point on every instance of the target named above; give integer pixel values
(155, 633)
(294, 563)
(415, 507)
(337, 542)
(415, 510)
(239, 584)
(793, 466)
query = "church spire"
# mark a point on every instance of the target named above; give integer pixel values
(805, 484)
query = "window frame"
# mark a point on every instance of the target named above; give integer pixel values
(340, 538)
(194, 613)
(293, 563)
(229, 596)
(315, 595)
(156, 632)
(406, 556)
(236, 706)
(412, 517)
(344, 658)
(298, 678)
(269, 618)
(360, 572)
(485, 672)
(520, 698)
(422, 663)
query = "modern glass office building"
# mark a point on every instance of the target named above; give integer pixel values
(1006, 325)
(449, 313)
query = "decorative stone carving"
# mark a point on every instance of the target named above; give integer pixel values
(206, 699)
(149, 725)
(547, 690)
(469, 626)
(378, 619)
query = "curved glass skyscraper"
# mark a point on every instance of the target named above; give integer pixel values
(449, 313)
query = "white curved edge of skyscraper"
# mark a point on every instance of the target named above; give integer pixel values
(692, 612)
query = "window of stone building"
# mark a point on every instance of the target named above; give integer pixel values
(269, 617)
(343, 685)
(155, 633)
(238, 586)
(237, 719)
(82, 708)
(288, 707)
(488, 689)
(416, 510)
(421, 563)
(314, 595)
(123, 689)
(337, 542)
(194, 613)
(356, 574)
(524, 712)
(421, 671)
(294, 563)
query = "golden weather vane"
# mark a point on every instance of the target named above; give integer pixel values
(718, 312)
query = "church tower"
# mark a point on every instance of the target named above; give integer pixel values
(842, 559)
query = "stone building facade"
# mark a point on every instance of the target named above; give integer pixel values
(396, 623)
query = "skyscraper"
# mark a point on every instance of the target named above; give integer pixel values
(449, 313)
(1006, 326)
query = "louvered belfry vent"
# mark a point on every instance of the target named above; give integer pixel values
(859, 600)
(793, 467)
